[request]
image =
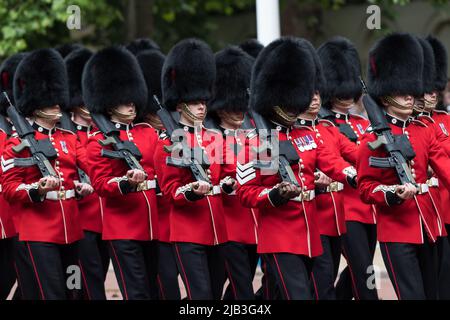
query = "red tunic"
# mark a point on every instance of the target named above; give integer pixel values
(241, 222)
(90, 207)
(330, 204)
(404, 222)
(290, 227)
(7, 228)
(200, 221)
(42, 219)
(133, 215)
(355, 209)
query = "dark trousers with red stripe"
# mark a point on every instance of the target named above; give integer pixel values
(444, 266)
(94, 263)
(202, 269)
(169, 288)
(292, 273)
(269, 289)
(48, 271)
(358, 247)
(7, 270)
(136, 268)
(412, 268)
(240, 265)
(326, 267)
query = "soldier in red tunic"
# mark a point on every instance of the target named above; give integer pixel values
(151, 63)
(48, 221)
(342, 69)
(329, 194)
(282, 87)
(8, 233)
(114, 86)
(197, 225)
(408, 223)
(227, 111)
(94, 257)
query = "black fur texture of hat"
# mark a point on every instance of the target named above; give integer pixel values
(429, 66)
(395, 66)
(67, 48)
(284, 75)
(188, 74)
(151, 63)
(234, 70)
(7, 71)
(342, 69)
(40, 81)
(112, 77)
(441, 61)
(142, 44)
(252, 46)
(75, 62)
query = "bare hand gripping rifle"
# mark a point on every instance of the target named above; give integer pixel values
(397, 146)
(193, 159)
(42, 151)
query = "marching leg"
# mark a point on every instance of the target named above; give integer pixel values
(168, 273)
(8, 274)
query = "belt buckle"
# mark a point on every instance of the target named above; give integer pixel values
(333, 187)
(62, 195)
(305, 195)
(142, 186)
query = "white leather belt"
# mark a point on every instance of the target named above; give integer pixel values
(422, 188)
(335, 187)
(60, 195)
(1, 188)
(146, 185)
(433, 182)
(306, 195)
(214, 191)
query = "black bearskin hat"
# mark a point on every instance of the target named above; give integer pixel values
(75, 62)
(429, 67)
(151, 62)
(440, 59)
(234, 70)
(252, 46)
(142, 44)
(340, 62)
(395, 66)
(112, 77)
(67, 48)
(7, 71)
(189, 73)
(284, 76)
(40, 81)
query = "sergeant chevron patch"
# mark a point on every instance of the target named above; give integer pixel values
(7, 164)
(245, 172)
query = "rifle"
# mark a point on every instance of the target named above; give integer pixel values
(287, 153)
(398, 146)
(197, 162)
(344, 128)
(66, 123)
(41, 150)
(125, 150)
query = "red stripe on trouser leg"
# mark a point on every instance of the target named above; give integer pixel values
(122, 278)
(281, 277)
(188, 287)
(36, 272)
(84, 280)
(231, 279)
(393, 272)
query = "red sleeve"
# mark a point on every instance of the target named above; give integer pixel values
(332, 164)
(439, 161)
(105, 181)
(14, 187)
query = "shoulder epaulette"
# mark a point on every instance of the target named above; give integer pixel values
(358, 116)
(145, 124)
(441, 112)
(426, 117)
(327, 122)
(65, 130)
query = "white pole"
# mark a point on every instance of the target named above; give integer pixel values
(267, 20)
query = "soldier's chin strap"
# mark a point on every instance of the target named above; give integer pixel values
(123, 117)
(84, 113)
(49, 116)
(419, 105)
(429, 105)
(190, 115)
(285, 118)
(393, 102)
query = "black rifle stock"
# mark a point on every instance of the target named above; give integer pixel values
(344, 128)
(41, 150)
(286, 154)
(196, 162)
(397, 146)
(124, 150)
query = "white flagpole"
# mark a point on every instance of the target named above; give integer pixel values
(267, 20)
